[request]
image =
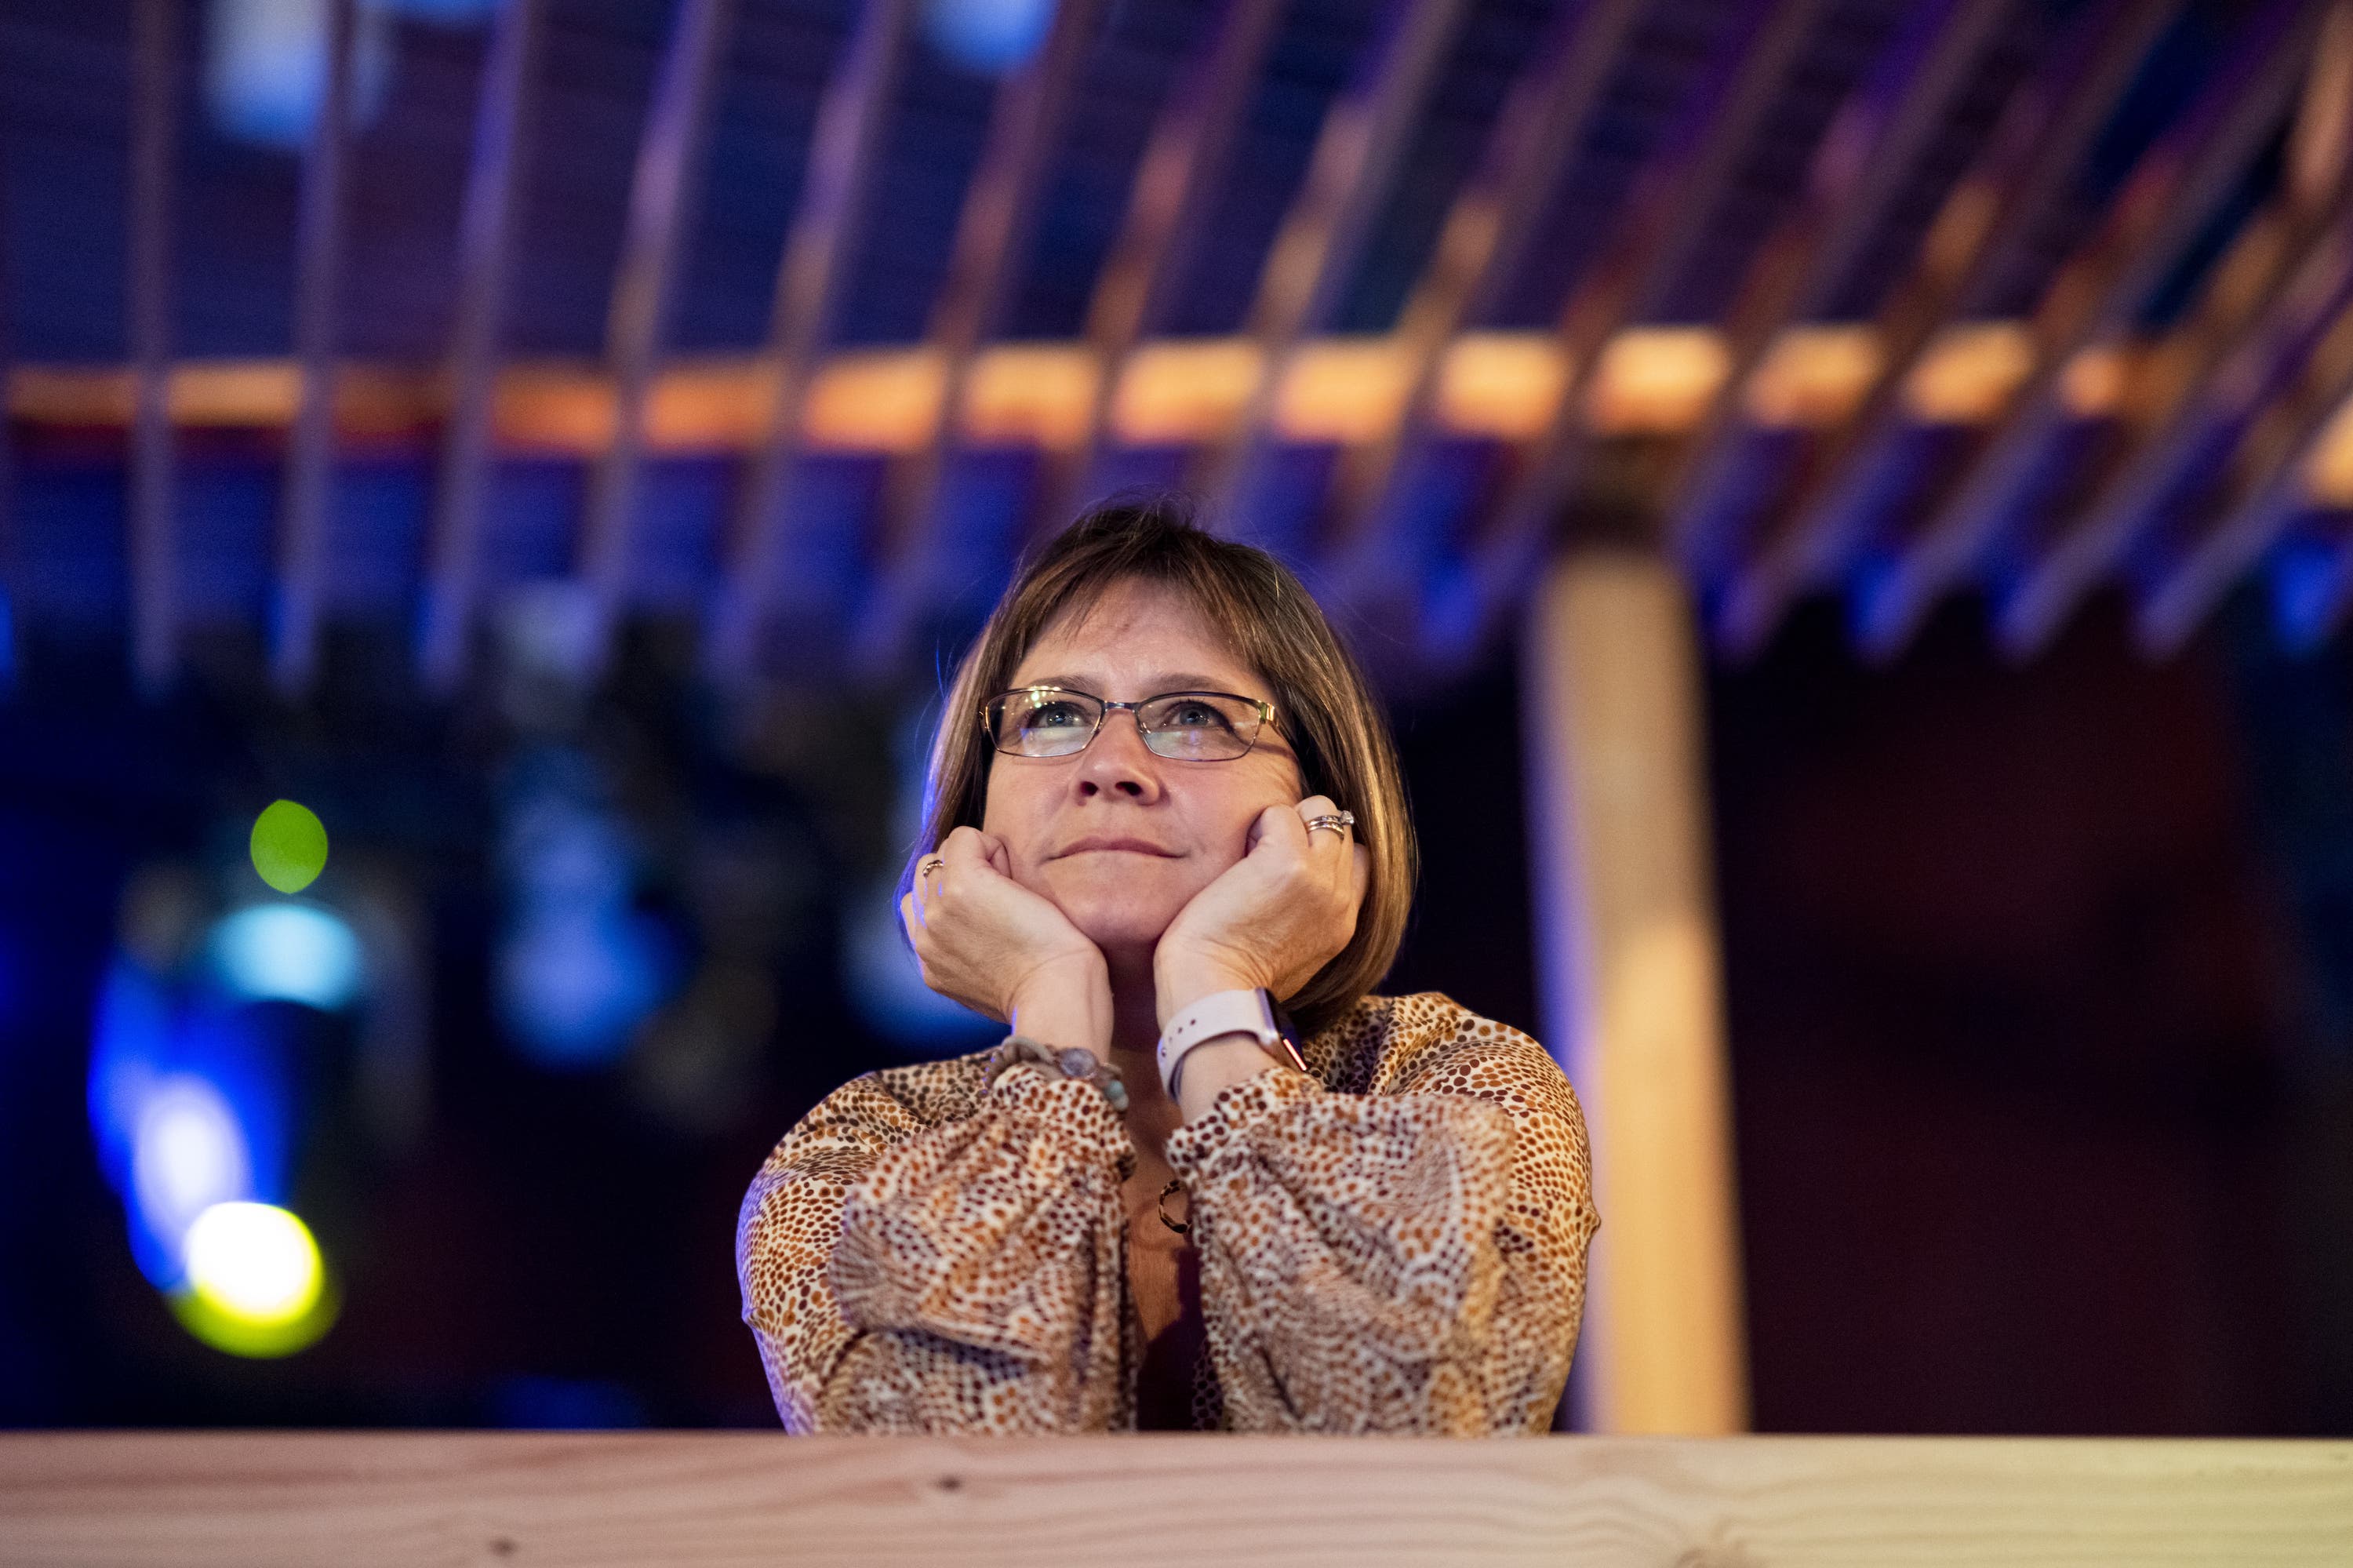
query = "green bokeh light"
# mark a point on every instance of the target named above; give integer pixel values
(290, 846)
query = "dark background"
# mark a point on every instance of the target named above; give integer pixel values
(2036, 993)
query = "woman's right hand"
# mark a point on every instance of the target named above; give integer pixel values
(1008, 954)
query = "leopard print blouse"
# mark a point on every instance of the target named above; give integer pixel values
(1394, 1242)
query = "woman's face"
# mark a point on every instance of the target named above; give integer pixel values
(1116, 837)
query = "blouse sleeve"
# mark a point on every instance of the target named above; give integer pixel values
(1410, 1261)
(965, 1277)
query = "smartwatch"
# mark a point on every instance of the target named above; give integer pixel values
(1252, 1012)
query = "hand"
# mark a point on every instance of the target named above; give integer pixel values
(1272, 918)
(988, 942)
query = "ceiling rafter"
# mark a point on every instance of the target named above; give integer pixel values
(155, 611)
(2262, 486)
(1653, 241)
(1875, 140)
(2169, 198)
(1364, 139)
(1169, 201)
(2246, 318)
(1024, 130)
(845, 150)
(311, 443)
(1485, 238)
(1977, 238)
(661, 189)
(486, 246)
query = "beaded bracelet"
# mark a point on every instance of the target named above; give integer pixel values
(1071, 1062)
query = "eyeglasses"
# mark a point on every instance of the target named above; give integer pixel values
(1190, 727)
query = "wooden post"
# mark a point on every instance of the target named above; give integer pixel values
(1627, 949)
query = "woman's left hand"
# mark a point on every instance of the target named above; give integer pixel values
(1272, 918)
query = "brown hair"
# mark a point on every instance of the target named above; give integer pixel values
(1322, 702)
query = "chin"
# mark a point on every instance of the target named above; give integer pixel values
(1123, 914)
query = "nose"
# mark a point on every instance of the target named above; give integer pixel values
(1119, 763)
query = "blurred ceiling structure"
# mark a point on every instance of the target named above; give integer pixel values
(773, 316)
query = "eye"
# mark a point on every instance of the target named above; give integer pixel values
(1193, 714)
(1055, 713)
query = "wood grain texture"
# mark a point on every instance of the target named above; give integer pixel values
(256, 1499)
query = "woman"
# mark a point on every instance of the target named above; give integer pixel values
(1146, 801)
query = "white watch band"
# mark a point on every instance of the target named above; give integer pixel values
(1250, 1012)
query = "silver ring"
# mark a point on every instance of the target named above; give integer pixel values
(1338, 821)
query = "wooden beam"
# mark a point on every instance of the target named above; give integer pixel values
(2026, 168)
(486, 245)
(1860, 168)
(1653, 241)
(2250, 322)
(1538, 132)
(2173, 193)
(275, 1500)
(1324, 234)
(1496, 385)
(845, 150)
(2264, 485)
(311, 443)
(1167, 212)
(659, 210)
(990, 246)
(154, 538)
(1618, 801)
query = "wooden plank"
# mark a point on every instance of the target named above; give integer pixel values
(1167, 218)
(1653, 241)
(485, 246)
(1486, 235)
(845, 149)
(660, 209)
(154, 143)
(990, 245)
(1504, 385)
(1324, 234)
(262, 1500)
(2027, 167)
(1859, 169)
(2211, 375)
(310, 443)
(1617, 786)
(2171, 196)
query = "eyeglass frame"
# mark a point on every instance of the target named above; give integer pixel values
(1265, 717)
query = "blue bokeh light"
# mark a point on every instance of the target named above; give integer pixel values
(188, 1106)
(288, 952)
(992, 36)
(580, 968)
(265, 68)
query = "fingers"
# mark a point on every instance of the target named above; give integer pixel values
(1332, 842)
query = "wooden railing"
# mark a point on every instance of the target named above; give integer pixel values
(354, 1499)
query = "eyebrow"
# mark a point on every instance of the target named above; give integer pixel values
(1164, 681)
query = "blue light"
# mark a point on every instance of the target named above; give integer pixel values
(288, 952)
(580, 968)
(991, 36)
(186, 1107)
(188, 1153)
(266, 67)
(575, 983)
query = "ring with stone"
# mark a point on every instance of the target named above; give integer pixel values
(931, 865)
(1338, 821)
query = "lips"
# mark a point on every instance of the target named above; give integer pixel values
(1130, 846)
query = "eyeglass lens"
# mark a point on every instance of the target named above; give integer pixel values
(1195, 726)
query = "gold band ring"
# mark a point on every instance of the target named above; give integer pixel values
(929, 866)
(1338, 821)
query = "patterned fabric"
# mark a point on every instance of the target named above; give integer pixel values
(1394, 1242)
